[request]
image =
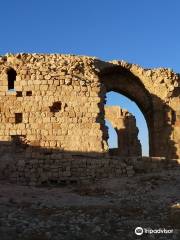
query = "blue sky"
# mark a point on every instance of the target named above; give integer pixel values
(145, 32)
(120, 100)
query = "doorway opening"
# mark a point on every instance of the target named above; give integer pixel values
(132, 126)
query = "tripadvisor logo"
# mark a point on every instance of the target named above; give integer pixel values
(139, 231)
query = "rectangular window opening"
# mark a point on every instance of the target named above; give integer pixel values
(18, 94)
(11, 74)
(18, 118)
(29, 93)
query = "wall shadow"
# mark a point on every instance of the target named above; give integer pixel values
(26, 164)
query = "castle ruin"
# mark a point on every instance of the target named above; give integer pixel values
(52, 115)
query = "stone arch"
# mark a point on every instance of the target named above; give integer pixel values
(83, 82)
(123, 81)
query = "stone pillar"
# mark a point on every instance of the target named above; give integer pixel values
(125, 125)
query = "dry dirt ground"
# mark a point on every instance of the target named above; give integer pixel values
(109, 209)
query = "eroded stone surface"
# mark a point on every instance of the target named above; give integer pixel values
(55, 115)
(107, 209)
(124, 124)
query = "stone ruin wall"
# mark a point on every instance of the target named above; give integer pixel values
(59, 98)
(157, 93)
(124, 124)
(52, 126)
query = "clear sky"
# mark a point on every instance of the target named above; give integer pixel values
(118, 99)
(146, 32)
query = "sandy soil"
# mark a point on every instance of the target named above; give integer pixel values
(107, 209)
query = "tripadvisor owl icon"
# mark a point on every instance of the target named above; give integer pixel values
(139, 231)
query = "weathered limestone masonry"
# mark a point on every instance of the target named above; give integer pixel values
(157, 93)
(124, 124)
(58, 99)
(52, 117)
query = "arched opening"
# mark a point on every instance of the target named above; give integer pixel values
(122, 81)
(116, 99)
(11, 78)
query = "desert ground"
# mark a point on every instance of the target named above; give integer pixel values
(105, 209)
